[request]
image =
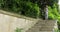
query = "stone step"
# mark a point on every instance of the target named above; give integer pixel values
(46, 23)
(38, 30)
(42, 26)
(45, 31)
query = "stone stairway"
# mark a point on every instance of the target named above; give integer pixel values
(43, 26)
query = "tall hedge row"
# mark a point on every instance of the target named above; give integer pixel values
(26, 8)
(53, 12)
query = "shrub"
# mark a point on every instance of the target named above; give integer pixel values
(33, 11)
(18, 30)
(53, 12)
(56, 30)
(21, 7)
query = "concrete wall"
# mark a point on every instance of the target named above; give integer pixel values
(10, 23)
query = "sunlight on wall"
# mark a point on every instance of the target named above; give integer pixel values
(59, 5)
(10, 23)
(59, 2)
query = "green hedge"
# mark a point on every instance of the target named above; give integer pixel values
(21, 7)
(27, 8)
(53, 12)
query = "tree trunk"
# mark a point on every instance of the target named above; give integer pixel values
(46, 12)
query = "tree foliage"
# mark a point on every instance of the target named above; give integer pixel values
(29, 7)
(26, 8)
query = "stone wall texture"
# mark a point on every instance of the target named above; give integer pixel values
(9, 23)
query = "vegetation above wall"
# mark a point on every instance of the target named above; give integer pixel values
(21, 7)
(27, 8)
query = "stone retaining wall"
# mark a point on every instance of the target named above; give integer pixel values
(9, 22)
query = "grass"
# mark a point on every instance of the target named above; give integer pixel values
(18, 30)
